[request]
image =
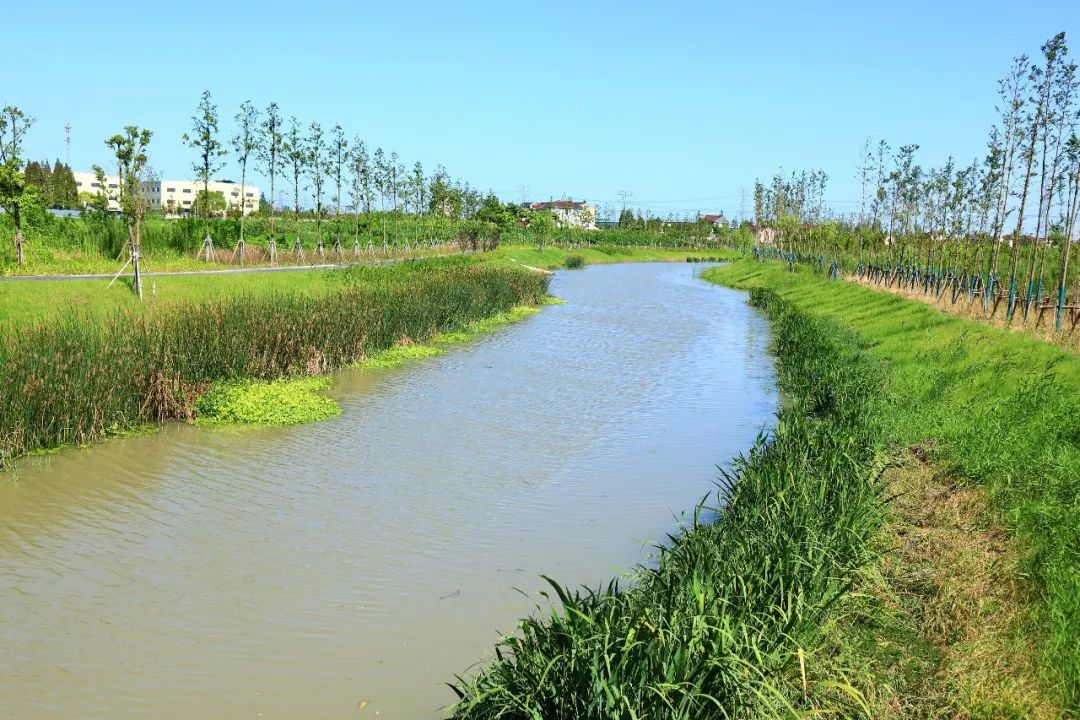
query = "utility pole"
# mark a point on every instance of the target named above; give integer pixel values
(625, 195)
(67, 141)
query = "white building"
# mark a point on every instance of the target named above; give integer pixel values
(173, 197)
(569, 213)
(86, 182)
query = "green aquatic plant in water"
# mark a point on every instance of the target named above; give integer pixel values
(488, 325)
(398, 355)
(279, 402)
(77, 377)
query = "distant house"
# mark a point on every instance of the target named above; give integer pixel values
(570, 213)
(715, 220)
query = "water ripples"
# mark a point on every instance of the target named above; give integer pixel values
(294, 572)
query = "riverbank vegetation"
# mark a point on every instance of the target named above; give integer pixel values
(903, 544)
(726, 622)
(398, 355)
(92, 243)
(30, 301)
(993, 413)
(289, 401)
(993, 236)
(79, 376)
(346, 201)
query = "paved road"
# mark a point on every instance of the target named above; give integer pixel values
(230, 271)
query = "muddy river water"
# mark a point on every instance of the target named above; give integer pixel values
(300, 572)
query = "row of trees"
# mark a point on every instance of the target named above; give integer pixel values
(329, 175)
(55, 184)
(324, 169)
(1003, 223)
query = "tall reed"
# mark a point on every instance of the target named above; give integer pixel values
(76, 378)
(722, 625)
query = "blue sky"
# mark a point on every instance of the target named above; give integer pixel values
(681, 103)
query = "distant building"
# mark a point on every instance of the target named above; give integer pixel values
(715, 220)
(570, 213)
(176, 197)
(86, 182)
(173, 197)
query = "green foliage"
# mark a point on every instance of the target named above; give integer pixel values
(209, 203)
(486, 325)
(717, 628)
(55, 186)
(72, 377)
(203, 138)
(503, 217)
(278, 402)
(1000, 409)
(574, 262)
(398, 355)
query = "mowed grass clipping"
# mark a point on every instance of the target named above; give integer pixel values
(1000, 409)
(291, 401)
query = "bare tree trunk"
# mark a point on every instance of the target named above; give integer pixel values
(1074, 206)
(243, 213)
(136, 261)
(1030, 155)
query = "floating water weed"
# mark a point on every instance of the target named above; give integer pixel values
(277, 402)
(398, 355)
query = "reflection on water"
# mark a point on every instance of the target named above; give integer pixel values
(294, 573)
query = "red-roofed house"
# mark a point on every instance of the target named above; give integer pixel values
(715, 220)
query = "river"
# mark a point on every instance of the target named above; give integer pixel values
(302, 572)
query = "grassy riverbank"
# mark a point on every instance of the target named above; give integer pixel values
(726, 622)
(903, 545)
(82, 375)
(993, 415)
(24, 301)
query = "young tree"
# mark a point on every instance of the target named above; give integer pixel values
(1072, 208)
(316, 162)
(381, 180)
(418, 187)
(130, 147)
(244, 143)
(1034, 121)
(269, 151)
(210, 203)
(1012, 89)
(359, 189)
(15, 194)
(1059, 128)
(1054, 52)
(203, 138)
(296, 156)
(339, 158)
